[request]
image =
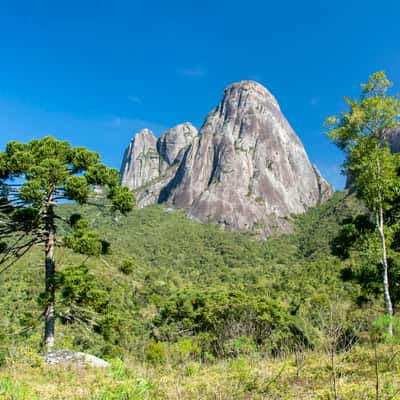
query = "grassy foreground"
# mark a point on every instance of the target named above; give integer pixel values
(302, 376)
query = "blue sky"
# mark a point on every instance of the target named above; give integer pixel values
(95, 72)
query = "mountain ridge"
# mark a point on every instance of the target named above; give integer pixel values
(246, 168)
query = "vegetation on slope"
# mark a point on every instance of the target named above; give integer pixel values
(168, 278)
(183, 303)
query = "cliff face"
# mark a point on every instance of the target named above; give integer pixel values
(149, 164)
(141, 160)
(246, 169)
(173, 143)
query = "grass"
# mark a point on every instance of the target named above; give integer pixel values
(157, 255)
(242, 378)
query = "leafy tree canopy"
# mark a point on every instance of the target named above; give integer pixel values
(34, 178)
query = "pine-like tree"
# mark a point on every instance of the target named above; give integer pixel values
(35, 178)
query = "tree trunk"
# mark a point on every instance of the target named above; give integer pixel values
(385, 267)
(50, 314)
(385, 273)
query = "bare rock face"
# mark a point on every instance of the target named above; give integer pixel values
(141, 160)
(325, 189)
(77, 359)
(246, 169)
(149, 164)
(247, 165)
(174, 142)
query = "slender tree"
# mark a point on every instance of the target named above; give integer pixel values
(361, 133)
(35, 178)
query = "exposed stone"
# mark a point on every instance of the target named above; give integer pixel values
(141, 162)
(77, 359)
(246, 169)
(325, 189)
(149, 164)
(247, 164)
(173, 143)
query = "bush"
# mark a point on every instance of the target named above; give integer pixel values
(227, 317)
(138, 389)
(155, 353)
(127, 266)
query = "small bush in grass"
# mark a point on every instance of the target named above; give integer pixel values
(118, 369)
(138, 389)
(242, 345)
(155, 353)
(128, 265)
(184, 350)
(191, 369)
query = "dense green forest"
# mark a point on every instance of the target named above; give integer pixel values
(169, 279)
(187, 310)
(173, 293)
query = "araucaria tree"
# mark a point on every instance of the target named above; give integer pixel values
(361, 133)
(34, 179)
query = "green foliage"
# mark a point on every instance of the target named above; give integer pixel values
(374, 114)
(195, 293)
(226, 315)
(135, 389)
(49, 165)
(32, 192)
(82, 159)
(156, 353)
(127, 266)
(361, 133)
(51, 172)
(27, 218)
(83, 240)
(379, 329)
(352, 232)
(16, 391)
(77, 188)
(122, 199)
(80, 288)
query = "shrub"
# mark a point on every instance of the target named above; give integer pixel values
(127, 266)
(227, 316)
(155, 353)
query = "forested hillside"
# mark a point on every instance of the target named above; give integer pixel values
(181, 299)
(166, 278)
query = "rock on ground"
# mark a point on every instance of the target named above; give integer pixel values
(78, 359)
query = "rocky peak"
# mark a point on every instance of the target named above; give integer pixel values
(246, 169)
(147, 159)
(246, 164)
(141, 160)
(174, 142)
(247, 95)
